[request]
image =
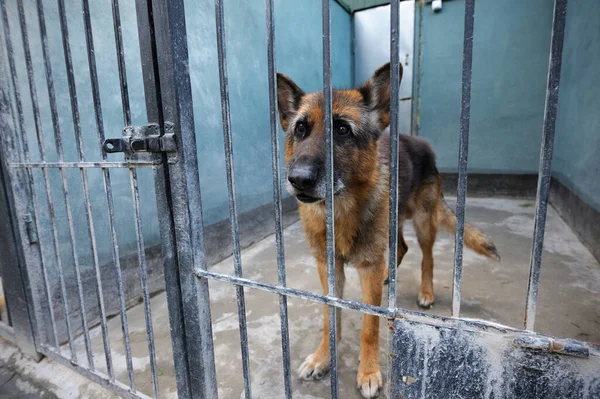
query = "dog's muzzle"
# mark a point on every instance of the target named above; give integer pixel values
(308, 186)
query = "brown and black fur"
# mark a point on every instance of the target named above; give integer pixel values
(361, 188)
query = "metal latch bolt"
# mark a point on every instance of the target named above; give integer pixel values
(141, 139)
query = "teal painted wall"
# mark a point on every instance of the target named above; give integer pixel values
(299, 54)
(510, 62)
(576, 161)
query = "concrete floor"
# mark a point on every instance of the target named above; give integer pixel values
(569, 303)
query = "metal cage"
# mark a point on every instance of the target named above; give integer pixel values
(167, 145)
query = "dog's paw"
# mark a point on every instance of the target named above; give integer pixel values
(313, 368)
(369, 383)
(426, 299)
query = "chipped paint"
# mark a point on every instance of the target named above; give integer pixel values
(453, 363)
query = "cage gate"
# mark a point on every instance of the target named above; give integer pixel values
(429, 356)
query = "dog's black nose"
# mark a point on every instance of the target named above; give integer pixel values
(303, 178)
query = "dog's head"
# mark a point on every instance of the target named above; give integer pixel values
(359, 117)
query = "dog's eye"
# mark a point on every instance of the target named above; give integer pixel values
(342, 130)
(301, 129)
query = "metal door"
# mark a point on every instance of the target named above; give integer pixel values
(371, 46)
(55, 299)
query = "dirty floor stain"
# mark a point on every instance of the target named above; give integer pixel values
(569, 303)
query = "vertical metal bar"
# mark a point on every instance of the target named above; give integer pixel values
(144, 277)
(117, 264)
(149, 57)
(237, 256)
(169, 102)
(121, 62)
(543, 189)
(352, 49)
(136, 198)
(328, 132)
(11, 140)
(105, 175)
(89, 40)
(463, 152)
(79, 144)
(393, 206)
(415, 67)
(394, 109)
(281, 278)
(25, 146)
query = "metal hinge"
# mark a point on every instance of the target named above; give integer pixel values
(142, 139)
(30, 228)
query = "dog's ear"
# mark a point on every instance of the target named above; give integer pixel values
(288, 99)
(376, 93)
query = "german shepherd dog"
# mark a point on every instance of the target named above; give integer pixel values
(361, 189)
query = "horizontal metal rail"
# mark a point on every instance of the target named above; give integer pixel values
(78, 165)
(410, 315)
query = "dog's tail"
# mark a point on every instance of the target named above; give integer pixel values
(474, 238)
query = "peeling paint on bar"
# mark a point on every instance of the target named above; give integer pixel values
(549, 345)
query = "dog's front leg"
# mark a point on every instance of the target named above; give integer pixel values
(369, 379)
(317, 364)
